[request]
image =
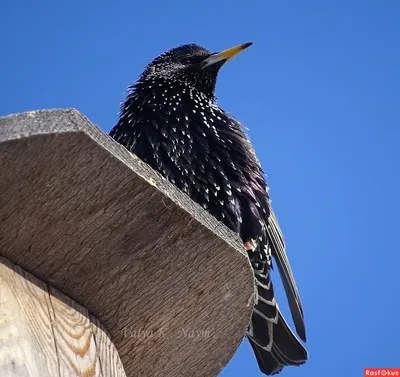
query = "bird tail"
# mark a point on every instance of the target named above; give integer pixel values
(273, 342)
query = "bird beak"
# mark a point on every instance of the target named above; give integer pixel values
(225, 55)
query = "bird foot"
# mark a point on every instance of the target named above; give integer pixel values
(249, 246)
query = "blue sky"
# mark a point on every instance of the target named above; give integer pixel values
(319, 91)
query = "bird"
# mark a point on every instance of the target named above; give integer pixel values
(170, 119)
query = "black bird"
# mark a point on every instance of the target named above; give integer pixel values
(170, 119)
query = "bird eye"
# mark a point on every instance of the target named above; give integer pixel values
(193, 60)
(186, 61)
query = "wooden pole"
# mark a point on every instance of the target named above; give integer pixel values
(45, 334)
(170, 284)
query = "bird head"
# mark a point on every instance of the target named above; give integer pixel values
(190, 65)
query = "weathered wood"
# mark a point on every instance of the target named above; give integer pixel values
(45, 334)
(169, 283)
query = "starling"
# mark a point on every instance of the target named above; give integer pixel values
(170, 119)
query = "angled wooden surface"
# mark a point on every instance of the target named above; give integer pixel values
(45, 334)
(168, 282)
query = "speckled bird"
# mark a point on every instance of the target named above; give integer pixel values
(170, 119)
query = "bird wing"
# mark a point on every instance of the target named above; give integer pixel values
(277, 245)
(274, 343)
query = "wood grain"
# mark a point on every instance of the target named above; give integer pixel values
(45, 334)
(169, 283)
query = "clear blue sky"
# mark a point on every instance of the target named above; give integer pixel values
(320, 93)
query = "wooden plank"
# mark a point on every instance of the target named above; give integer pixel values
(74, 337)
(45, 334)
(108, 355)
(27, 345)
(87, 217)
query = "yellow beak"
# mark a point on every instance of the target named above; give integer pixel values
(226, 54)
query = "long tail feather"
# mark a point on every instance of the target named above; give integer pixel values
(274, 343)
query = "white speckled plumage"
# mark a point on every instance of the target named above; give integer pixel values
(170, 119)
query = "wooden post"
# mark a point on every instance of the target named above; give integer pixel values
(45, 334)
(170, 285)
